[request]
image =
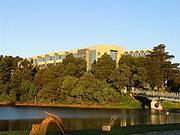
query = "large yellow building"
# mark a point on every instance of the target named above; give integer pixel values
(90, 54)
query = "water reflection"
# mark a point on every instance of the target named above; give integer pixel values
(22, 118)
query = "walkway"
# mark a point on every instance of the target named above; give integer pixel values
(152, 95)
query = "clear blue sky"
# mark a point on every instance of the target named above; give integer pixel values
(33, 27)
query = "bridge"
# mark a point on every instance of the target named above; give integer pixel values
(155, 97)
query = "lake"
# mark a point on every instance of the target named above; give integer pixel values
(22, 118)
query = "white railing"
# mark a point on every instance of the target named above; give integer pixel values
(158, 94)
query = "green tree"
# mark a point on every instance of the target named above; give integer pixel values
(121, 77)
(69, 83)
(85, 88)
(104, 67)
(131, 73)
(166, 68)
(50, 92)
(71, 70)
(29, 90)
(38, 79)
(22, 73)
(74, 66)
(14, 84)
(90, 89)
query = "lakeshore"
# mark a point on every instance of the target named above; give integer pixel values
(85, 105)
(166, 105)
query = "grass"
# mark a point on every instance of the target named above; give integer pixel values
(170, 104)
(138, 105)
(136, 129)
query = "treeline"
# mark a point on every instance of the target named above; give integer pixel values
(70, 82)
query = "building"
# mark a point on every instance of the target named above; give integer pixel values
(137, 52)
(90, 54)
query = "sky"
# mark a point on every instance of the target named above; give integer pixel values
(34, 27)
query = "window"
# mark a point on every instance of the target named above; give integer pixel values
(93, 52)
(79, 55)
(63, 56)
(34, 61)
(75, 55)
(41, 60)
(41, 66)
(47, 58)
(113, 54)
(50, 58)
(58, 63)
(50, 64)
(83, 55)
(58, 57)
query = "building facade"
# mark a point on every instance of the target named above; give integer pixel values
(90, 54)
(137, 52)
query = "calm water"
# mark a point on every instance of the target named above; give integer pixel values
(22, 118)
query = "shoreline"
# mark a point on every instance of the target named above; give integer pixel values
(107, 106)
(76, 106)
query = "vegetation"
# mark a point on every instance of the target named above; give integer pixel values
(70, 83)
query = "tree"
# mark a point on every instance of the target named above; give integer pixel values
(131, 72)
(160, 54)
(29, 90)
(154, 74)
(162, 59)
(50, 91)
(140, 72)
(90, 89)
(6, 68)
(8, 65)
(85, 88)
(121, 77)
(173, 82)
(14, 85)
(69, 83)
(48, 77)
(74, 66)
(22, 73)
(38, 79)
(71, 70)
(104, 67)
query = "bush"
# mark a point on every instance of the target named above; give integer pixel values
(127, 99)
(4, 97)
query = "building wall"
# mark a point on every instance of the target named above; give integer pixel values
(138, 52)
(90, 54)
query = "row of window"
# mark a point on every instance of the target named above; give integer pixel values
(48, 58)
(49, 64)
(58, 57)
(138, 54)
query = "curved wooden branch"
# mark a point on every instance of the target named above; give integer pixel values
(57, 118)
(40, 129)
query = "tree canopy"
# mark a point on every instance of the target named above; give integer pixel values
(70, 82)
